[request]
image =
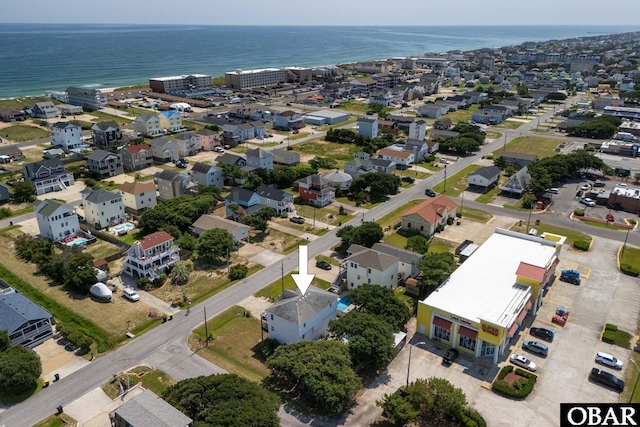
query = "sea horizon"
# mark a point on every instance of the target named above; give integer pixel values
(50, 57)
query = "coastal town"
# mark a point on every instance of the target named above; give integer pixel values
(470, 220)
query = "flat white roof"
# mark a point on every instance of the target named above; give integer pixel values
(332, 114)
(484, 286)
(254, 71)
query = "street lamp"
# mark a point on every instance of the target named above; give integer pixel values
(409, 364)
(637, 378)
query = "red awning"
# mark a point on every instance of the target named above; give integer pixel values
(441, 323)
(469, 333)
(521, 316)
(529, 304)
(513, 329)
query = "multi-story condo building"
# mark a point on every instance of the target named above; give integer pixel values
(66, 135)
(92, 99)
(47, 176)
(181, 84)
(107, 135)
(244, 79)
(152, 256)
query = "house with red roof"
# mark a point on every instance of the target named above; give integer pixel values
(427, 216)
(151, 256)
(136, 157)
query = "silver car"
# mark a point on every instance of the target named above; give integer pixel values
(608, 360)
(536, 348)
(523, 362)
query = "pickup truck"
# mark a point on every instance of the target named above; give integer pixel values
(450, 356)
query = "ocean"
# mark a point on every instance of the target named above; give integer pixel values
(38, 57)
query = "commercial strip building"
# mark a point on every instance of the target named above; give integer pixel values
(482, 305)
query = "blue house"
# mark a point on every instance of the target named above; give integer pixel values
(249, 202)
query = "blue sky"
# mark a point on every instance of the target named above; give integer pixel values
(324, 12)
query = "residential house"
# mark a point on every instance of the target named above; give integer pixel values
(10, 153)
(367, 127)
(25, 322)
(66, 135)
(316, 191)
(210, 222)
(164, 151)
(69, 110)
(247, 131)
(136, 157)
(359, 165)
(103, 208)
(138, 196)
(363, 84)
(148, 125)
(187, 144)
(427, 216)
(171, 184)
(232, 159)
(170, 121)
(91, 99)
(382, 97)
(433, 146)
(485, 177)
(147, 409)
(371, 267)
(418, 130)
(232, 135)
(205, 174)
(339, 179)
(407, 260)
(107, 135)
(56, 220)
(296, 317)
(518, 183)
(288, 120)
(248, 201)
(404, 122)
(382, 165)
(474, 97)
(47, 176)
(259, 128)
(387, 126)
(491, 115)
(432, 111)
(5, 196)
(259, 158)
(279, 200)
(418, 147)
(285, 157)
(519, 160)
(208, 139)
(443, 124)
(9, 115)
(403, 158)
(152, 256)
(104, 164)
(436, 134)
(45, 110)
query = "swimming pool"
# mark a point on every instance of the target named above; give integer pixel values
(78, 241)
(343, 303)
(124, 227)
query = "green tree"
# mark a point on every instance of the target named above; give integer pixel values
(381, 302)
(19, 370)
(180, 212)
(366, 235)
(5, 341)
(180, 273)
(417, 244)
(316, 372)
(54, 268)
(377, 186)
(370, 337)
(252, 182)
(398, 410)
(225, 401)
(79, 273)
(500, 162)
(435, 268)
(187, 242)
(529, 200)
(23, 192)
(215, 243)
(256, 222)
(238, 271)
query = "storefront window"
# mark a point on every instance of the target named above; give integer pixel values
(467, 343)
(487, 349)
(443, 334)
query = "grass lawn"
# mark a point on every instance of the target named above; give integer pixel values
(433, 166)
(277, 241)
(461, 115)
(603, 225)
(20, 103)
(240, 149)
(345, 200)
(541, 147)
(356, 106)
(394, 216)
(493, 135)
(457, 183)
(19, 209)
(299, 136)
(273, 291)
(263, 144)
(476, 215)
(489, 196)
(397, 240)
(508, 124)
(153, 379)
(131, 237)
(630, 256)
(325, 128)
(333, 150)
(412, 174)
(21, 133)
(437, 246)
(571, 235)
(235, 343)
(103, 117)
(196, 125)
(328, 214)
(631, 377)
(328, 259)
(102, 249)
(407, 299)
(61, 420)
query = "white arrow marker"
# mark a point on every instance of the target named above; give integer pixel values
(303, 279)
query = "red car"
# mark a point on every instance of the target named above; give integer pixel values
(296, 131)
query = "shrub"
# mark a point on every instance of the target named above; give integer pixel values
(238, 271)
(537, 222)
(521, 388)
(144, 283)
(268, 347)
(633, 222)
(629, 270)
(450, 221)
(610, 327)
(5, 213)
(472, 418)
(609, 337)
(581, 245)
(504, 371)
(579, 212)
(397, 225)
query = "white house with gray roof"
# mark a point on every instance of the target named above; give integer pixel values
(205, 174)
(187, 144)
(285, 157)
(279, 200)
(485, 176)
(47, 176)
(26, 322)
(148, 125)
(407, 260)
(147, 409)
(103, 208)
(297, 317)
(66, 135)
(163, 150)
(45, 110)
(259, 158)
(56, 220)
(371, 267)
(209, 222)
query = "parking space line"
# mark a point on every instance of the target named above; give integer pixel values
(586, 276)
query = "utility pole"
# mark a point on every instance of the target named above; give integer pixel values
(206, 328)
(228, 262)
(624, 245)
(445, 180)
(528, 221)
(504, 144)
(314, 217)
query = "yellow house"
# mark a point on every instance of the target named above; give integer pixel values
(482, 305)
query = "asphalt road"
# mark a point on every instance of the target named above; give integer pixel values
(156, 344)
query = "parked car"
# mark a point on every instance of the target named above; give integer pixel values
(608, 360)
(536, 348)
(408, 179)
(297, 219)
(553, 190)
(296, 131)
(580, 193)
(445, 161)
(429, 192)
(218, 149)
(598, 184)
(587, 201)
(542, 333)
(585, 187)
(606, 379)
(523, 362)
(450, 356)
(323, 265)
(131, 295)
(570, 276)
